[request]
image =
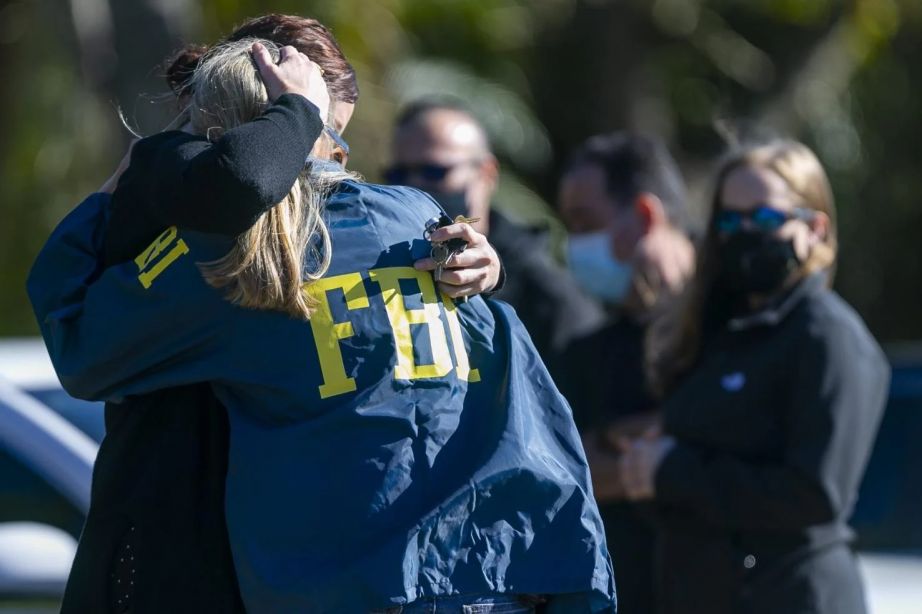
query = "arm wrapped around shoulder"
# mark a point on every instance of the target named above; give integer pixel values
(219, 187)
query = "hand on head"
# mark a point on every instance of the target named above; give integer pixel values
(295, 73)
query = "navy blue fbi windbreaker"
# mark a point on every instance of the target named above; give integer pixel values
(397, 446)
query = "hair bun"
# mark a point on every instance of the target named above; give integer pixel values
(182, 65)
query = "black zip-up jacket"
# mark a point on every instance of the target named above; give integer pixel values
(774, 426)
(155, 539)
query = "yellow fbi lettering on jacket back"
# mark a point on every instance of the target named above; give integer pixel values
(153, 261)
(328, 333)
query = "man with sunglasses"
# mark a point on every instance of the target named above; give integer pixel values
(440, 148)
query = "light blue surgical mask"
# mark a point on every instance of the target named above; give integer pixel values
(596, 270)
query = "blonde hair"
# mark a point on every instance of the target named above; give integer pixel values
(673, 342)
(289, 245)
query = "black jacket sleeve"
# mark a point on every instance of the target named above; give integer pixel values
(184, 180)
(838, 392)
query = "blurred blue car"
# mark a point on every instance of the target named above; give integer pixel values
(48, 443)
(888, 514)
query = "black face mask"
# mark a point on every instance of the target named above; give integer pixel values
(454, 203)
(754, 262)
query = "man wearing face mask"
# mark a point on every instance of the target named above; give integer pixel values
(440, 148)
(623, 201)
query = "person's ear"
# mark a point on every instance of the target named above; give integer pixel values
(489, 171)
(650, 211)
(340, 156)
(820, 225)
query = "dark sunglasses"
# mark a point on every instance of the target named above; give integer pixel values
(764, 218)
(400, 174)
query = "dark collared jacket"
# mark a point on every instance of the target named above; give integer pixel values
(775, 426)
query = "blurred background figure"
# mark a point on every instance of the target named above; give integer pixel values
(623, 202)
(440, 148)
(774, 393)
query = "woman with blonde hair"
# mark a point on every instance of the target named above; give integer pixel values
(159, 476)
(390, 449)
(773, 390)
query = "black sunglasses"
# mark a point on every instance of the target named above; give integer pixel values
(400, 174)
(764, 217)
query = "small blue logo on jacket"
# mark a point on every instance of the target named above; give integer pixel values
(733, 382)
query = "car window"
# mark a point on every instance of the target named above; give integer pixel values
(25, 496)
(87, 416)
(888, 513)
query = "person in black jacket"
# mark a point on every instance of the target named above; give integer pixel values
(775, 390)
(440, 147)
(155, 538)
(623, 201)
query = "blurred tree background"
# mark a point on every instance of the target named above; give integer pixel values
(542, 74)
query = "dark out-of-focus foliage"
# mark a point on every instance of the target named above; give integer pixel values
(542, 74)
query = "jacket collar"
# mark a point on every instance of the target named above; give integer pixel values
(778, 309)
